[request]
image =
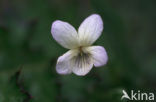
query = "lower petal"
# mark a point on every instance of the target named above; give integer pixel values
(82, 64)
(99, 55)
(63, 63)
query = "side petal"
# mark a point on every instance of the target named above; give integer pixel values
(99, 55)
(63, 63)
(90, 29)
(82, 64)
(64, 34)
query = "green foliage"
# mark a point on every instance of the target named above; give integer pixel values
(28, 53)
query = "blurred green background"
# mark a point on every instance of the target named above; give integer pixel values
(28, 53)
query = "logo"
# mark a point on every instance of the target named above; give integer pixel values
(137, 95)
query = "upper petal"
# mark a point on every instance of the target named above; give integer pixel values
(99, 55)
(90, 29)
(64, 34)
(63, 65)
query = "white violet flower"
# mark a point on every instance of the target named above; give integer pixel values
(82, 56)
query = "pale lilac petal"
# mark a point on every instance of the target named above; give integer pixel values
(90, 29)
(81, 66)
(64, 34)
(99, 55)
(63, 63)
(82, 71)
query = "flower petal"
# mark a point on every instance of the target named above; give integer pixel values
(82, 64)
(90, 29)
(64, 34)
(63, 63)
(99, 55)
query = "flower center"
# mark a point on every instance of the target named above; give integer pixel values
(80, 48)
(82, 59)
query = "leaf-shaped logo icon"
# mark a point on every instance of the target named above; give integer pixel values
(125, 95)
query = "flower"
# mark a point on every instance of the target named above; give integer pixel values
(82, 56)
